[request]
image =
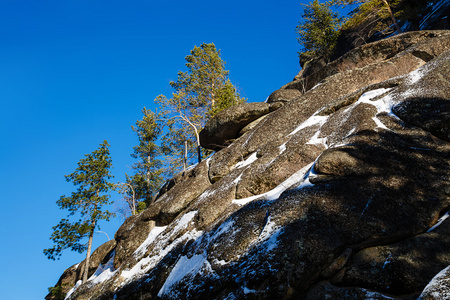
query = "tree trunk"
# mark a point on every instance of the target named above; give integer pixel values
(392, 17)
(199, 153)
(185, 156)
(88, 254)
(147, 179)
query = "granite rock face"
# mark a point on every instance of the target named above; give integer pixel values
(341, 193)
(223, 128)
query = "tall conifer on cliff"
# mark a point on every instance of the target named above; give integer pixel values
(200, 93)
(87, 203)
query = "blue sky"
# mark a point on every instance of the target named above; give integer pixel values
(75, 72)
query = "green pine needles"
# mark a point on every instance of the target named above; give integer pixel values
(199, 94)
(318, 30)
(91, 178)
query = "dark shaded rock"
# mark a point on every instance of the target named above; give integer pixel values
(430, 114)
(284, 95)
(325, 290)
(227, 124)
(400, 268)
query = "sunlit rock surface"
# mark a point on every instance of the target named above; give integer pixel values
(343, 192)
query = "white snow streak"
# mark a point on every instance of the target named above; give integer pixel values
(415, 76)
(269, 235)
(439, 222)
(148, 263)
(246, 162)
(311, 121)
(103, 273)
(282, 148)
(79, 282)
(315, 140)
(151, 237)
(387, 261)
(184, 267)
(276, 192)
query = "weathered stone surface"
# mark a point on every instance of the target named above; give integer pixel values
(227, 124)
(337, 194)
(188, 187)
(439, 287)
(334, 86)
(283, 95)
(400, 268)
(129, 237)
(66, 281)
(325, 290)
(70, 276)
(424, 45)
(252, 125)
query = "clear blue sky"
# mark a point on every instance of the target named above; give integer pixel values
(76, 72)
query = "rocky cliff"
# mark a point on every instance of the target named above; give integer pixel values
(339, 188)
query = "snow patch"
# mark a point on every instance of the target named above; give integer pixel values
(282, 148)
(387, 261)
(269, 235)
(79, 282)
(236, 181)
(185, 220)
(438, 280)
(276, 192)
(151, 237)
(415, 76)
(148, 263)
(184, 267)
(439, 222)
(311, 121)
(246, 162)
(249, 291)
(367, 206)
(224, 227)
(315, 140)
(379, 123)
(103, 272)
(375, 296)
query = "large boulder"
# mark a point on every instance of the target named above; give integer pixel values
(186, 187)
(220, 130)
(284, 95)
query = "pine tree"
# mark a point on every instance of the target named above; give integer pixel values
(87, 202)
(148, 170)
(377, 10)
(200, 93)
(318, 30)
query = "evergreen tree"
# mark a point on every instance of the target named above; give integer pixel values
(318, 30)
(377, 11)
(200, 93)
(87, 201)
(148, 170)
